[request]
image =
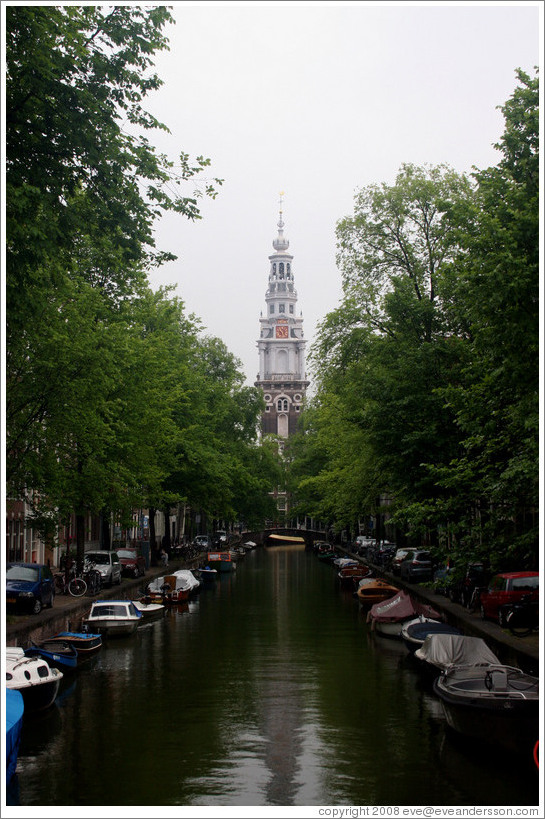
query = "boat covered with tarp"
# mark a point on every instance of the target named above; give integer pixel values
(442, 651)
(387, 617)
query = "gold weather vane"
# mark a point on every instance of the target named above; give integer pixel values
(280, 203)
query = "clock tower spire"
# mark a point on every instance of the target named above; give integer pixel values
(281, 345)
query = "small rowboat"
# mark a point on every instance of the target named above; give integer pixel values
(86, 644)
(58, 653)
(149, 611)
(374, 590)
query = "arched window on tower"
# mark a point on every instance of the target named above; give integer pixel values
(285, 407)
(288, 269)
(274, 268)
(281, 270)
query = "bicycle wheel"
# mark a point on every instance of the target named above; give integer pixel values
(77, 587)
(517, 626)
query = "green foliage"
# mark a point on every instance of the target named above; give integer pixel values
(114, 399)
(427, 373)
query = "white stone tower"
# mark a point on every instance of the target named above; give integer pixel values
(281, 345)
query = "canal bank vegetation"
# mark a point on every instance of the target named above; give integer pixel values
(427, 401)
(115, 398)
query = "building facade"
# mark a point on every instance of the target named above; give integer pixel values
(281, 345)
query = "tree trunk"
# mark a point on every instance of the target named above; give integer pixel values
(152, 543)
(80, 542)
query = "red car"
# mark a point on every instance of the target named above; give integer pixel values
(507, 588)
(133, 563)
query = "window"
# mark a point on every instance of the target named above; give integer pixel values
(281, 269)
(281, 308)
(291, 308)
(274, 267)
(288, 268)
(271, 308)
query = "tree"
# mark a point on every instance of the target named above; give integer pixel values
(84, 188)
(494, 297)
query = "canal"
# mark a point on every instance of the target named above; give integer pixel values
(267, 689)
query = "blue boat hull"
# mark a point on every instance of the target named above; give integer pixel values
(15, 707)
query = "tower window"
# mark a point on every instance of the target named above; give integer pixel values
(274, 267)
(271, 308)
(281, 308)
(291, 308)
(281, 269)
(288, 268)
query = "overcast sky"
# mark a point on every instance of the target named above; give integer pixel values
(318, 100)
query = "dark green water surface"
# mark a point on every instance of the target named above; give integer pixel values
(268, 689)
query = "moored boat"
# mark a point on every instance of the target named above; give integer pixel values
(207, 574)
(414, 632)
(149, 611)
(374, 590)
(113, 618)
(33, 677)
(350, 574)
(222, 561)
(172, 589)
(15, 708)
(496, 704)
(86, 643)
(388, 617)
(442, 651)
(58, 653)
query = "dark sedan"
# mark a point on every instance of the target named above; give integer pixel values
(133, 563)
(29, 586)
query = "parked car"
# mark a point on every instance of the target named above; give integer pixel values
(417, 565)
(202, 541)
(397, 560)
(108, 564)
(133, 562)
(29, 586)
(507, 588)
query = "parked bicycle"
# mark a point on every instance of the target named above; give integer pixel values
(70, 584)
(92, 577)
(474, 603)
(521, 618)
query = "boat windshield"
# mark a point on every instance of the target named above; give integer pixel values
(110, 610)
(22, 573)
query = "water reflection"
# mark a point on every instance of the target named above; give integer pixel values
(266, 689)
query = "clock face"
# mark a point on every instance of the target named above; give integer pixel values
(282, 331)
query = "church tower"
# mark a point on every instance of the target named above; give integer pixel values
(281, 345)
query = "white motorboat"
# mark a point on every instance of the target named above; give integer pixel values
(113, 618)
(33, 677)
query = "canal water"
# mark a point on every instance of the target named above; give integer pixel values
(268, 689)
